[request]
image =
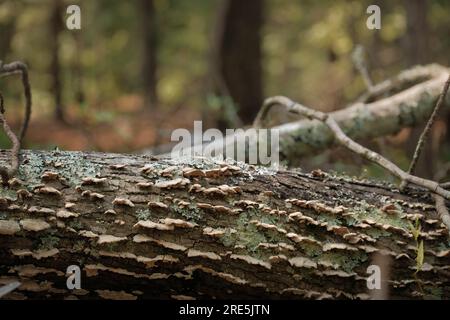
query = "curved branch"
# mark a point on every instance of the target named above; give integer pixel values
(343, 139)
(8, 69)
(14, 68)
(7, 173)
(428, 126)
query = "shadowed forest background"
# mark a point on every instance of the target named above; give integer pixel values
(139, 69)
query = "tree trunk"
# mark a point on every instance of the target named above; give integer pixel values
(78, 69)
(150, 44)
(7, 30)
(56, 26)
(238, 55)
(417, 47)
(139, 227)
(417, 51)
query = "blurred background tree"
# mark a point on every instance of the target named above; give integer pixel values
(138, 69)
(149, 32)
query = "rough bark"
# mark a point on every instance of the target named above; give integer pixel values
(140, 227)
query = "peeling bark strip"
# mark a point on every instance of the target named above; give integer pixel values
(203, 229)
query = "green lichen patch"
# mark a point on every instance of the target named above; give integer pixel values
(432, 293)
(347, 261)
(75, 224)
(367, 211)
(445, 245)
(330, 220)
(265, 218)
(72, 166)
(190, 212)
(6, 192)
(311, 250)
(143, 214)
(32, 167)
(48, 242)
(79, 245)
(247, 234)
(377, 233)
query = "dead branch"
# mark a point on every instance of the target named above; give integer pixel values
(441, 207)
(442, 211)
(403, 101)
(426, 130)
(15, 68)
(5, 172)
(343, 139)
(402, 81)
(361, 65)
(8, 69)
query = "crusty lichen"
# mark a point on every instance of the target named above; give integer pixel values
(48, 242)
(71, 166)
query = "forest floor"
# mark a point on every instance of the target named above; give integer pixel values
(122, 127)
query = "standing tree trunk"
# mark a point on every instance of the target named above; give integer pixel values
(238, 55)
(79, 91)
(56, 26)
(417, 35)
(139, 227)
(150, 47)
(7, 29)
(417, 51)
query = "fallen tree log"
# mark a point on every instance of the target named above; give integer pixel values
(141, 227)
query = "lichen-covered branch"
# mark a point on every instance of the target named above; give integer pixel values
(140, 227)
(344, 140)
(404, 101)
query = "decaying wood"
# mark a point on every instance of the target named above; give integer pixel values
(140, 227)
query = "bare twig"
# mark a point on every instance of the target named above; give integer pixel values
(343, 139)
(14, 68)
(5, 172)
(426, 130)
(260, 119)
(442, 211)
(7, 69)
(361, 66)
(402, 81)
(439, 201)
